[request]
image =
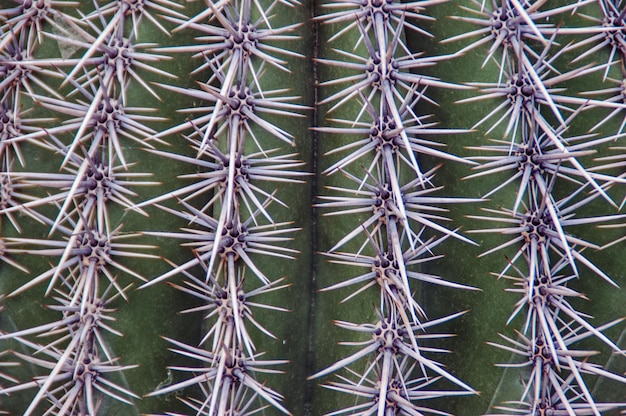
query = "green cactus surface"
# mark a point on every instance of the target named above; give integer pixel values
(265, 207)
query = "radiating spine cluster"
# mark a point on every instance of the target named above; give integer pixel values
(226, 205)
(70, 130)
(398, 201)
(544, 157)
(86, 248)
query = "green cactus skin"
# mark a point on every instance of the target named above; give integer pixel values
(305, 336)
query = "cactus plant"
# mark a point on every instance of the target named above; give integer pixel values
(193, 192)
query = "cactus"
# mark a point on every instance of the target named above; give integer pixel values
(191, 194)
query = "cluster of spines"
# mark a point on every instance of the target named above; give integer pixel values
(399, 201)
(96, 120)
(226, 203)
(536, 146)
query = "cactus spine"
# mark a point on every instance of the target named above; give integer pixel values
(191, 179)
